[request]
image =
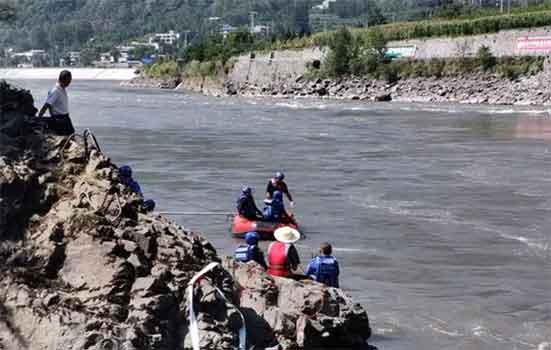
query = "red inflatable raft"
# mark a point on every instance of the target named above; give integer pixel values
(265, 229)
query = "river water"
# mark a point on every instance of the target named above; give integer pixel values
(440, 214)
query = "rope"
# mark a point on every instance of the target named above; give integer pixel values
(62, 149)
(198, 213)
(88, 134)
(193, 326)
(103, 207)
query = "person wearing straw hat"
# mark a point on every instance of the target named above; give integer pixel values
(324, 268)
(283, 257)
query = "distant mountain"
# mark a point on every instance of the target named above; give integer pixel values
(69, 24)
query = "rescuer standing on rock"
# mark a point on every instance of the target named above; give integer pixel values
(250, 251)
(58, 105)
(324, 268)
(283, 257)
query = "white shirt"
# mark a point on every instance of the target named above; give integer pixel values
(58, 99)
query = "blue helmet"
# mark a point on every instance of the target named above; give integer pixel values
(280, 176)
(125, 171)
(277, 196)
(246, 190)
(251, 238)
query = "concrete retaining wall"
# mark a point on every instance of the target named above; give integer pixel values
(265, 69)
(503, 43)
(288, 64)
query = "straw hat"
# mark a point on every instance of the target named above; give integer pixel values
(287, 234)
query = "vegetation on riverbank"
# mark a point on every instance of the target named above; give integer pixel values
(364, 56)
(216, 51)
(432, 28)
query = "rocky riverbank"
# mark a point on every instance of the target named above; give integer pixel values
(84, 267)
(474, 89)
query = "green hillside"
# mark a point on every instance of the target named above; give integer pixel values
(71, 23)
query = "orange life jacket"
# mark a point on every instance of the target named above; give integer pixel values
(277, 259)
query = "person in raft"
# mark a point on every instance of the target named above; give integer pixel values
(277, 184)
(283, 257)
(125, 176)
(250, 251)
(324, 268)
(57, 104)
(246, 207)
(275, 210)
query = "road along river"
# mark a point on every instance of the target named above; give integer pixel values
(440, 214)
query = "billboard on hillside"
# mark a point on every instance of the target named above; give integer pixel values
(534, 44)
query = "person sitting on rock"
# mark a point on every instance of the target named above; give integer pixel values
(58, 105)
(324, 268)
(275, 210)
(283, 257)
(250, 251)
(125, 176)
(277, 184)
(246, 206)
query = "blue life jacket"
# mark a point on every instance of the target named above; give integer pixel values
(324, 269)
(132, 184)
(274, 211)
(244, 253)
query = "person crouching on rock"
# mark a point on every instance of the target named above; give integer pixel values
(125, 176)
(283, 257)
(250, 251)
(58, 105)
(246, 206)
(324, 268)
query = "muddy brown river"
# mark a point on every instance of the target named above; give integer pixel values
(440, 214)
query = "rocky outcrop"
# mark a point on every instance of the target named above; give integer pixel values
(84, 267)
(144, 82)
(316, 316)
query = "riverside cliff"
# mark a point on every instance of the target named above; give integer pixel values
(84, 267)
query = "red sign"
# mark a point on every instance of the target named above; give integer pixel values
(534, 44)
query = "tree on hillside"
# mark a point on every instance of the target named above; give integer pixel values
(341, 52)
(375, 41)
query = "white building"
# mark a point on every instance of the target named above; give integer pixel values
(324, 5)
(30, 58)
(170, 38)
(30, 54)
(150, 44)
(74, 58)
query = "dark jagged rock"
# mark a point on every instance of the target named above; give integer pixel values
(83, 267)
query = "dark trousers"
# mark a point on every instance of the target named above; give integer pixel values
(60, 125)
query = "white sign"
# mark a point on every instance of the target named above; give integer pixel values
(401, 51)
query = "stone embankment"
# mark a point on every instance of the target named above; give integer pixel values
(473, 89)
(84, 267)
